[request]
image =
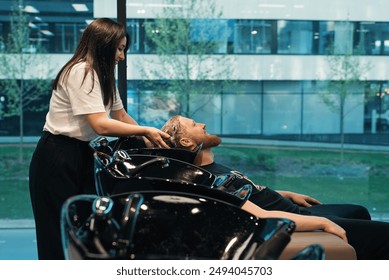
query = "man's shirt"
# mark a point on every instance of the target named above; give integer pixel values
(264, 197)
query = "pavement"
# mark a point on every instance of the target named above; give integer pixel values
(17, 240)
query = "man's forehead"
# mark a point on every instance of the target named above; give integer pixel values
(185, 121)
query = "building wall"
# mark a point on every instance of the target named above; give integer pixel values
(275, 95)
(375, 10)
(291, 108)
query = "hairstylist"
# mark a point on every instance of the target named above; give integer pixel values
(84, 104)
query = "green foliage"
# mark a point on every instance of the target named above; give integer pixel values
(346, 77)
(23, 83)
(18, 38)
(184, 40)
(360, 178)
(261, 164)
(9, 166)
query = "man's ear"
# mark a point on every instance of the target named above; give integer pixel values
(187, 143)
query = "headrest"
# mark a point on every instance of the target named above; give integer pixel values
(134, 145)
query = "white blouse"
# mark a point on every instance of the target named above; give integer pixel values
(73, 100)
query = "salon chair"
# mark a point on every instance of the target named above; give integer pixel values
(173, 225)
(178, 168)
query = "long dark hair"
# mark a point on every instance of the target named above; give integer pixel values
(97, 48)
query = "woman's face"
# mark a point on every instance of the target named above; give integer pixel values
(120, 55)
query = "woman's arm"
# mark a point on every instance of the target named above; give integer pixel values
(303, 223)
(121, 115)
(103, 125)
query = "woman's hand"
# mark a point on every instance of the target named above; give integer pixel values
(156, 136)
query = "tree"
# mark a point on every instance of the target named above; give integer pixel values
(346, 78)
(20, 87)
(185, 38)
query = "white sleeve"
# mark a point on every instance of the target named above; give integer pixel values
(83, 100)
(117, 102)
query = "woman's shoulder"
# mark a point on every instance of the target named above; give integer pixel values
(80, 66)
(77, 72)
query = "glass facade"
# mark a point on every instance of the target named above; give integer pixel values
(238, 36)
(275, 88)
(252, 36)
(55, 27)
(267, 115)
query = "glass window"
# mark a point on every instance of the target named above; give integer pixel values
(376, 117)
(150, 29)
(68, 36)
(242, 109)
(237, 120)
(373, 38)
(315, 109)
(326, 36)
(154, 109)
(252, 36)
(133, 103)
(210, 35)
(295, 37)
(343, 39)
(288, 109)
(133, 29)
(282, 108)
(208, 112)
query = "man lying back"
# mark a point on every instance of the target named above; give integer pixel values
(305, 211)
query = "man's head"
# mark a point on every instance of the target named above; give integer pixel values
(187, 134)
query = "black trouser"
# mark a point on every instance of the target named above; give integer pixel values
(370, 239)
(61, 167)
(349, 211)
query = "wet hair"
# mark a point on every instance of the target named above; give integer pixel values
(175, 130)
(97, 47)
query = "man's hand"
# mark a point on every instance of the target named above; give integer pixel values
(331, 227)
(300, 199)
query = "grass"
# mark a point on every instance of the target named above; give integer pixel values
(14, 193)
(361, 177)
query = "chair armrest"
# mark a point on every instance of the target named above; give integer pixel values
(335, 248)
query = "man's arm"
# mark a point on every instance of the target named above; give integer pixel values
(303, 223)
(300, 199)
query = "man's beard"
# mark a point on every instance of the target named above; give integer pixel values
(211, 140)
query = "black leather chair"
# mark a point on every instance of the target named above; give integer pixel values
(168, 225)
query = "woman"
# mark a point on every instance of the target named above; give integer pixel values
(84, 103)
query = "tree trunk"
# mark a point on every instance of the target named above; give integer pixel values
(21, 120)
(342, 102)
